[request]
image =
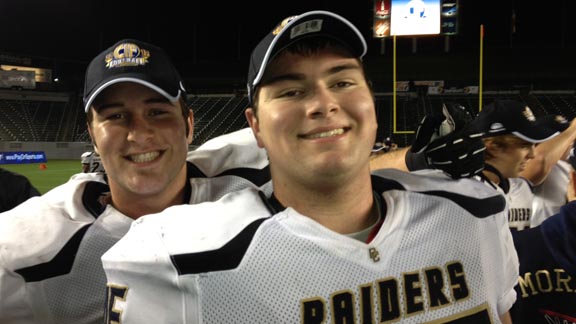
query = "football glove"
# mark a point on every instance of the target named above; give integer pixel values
(449, 143)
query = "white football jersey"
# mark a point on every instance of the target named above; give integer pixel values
(439, 256)
(520, 198)
(550, 195)
(50, 246)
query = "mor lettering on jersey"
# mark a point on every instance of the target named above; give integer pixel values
(545, 282)
(380, 301)
(519, 218)
(545, 296)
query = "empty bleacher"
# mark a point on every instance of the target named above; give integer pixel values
(31, 121)
(57, 119)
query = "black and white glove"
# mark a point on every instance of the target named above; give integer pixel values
(449, 143)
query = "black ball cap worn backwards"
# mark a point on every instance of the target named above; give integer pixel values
(132, 60)
(292, 29)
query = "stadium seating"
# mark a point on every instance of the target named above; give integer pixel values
(215, 114)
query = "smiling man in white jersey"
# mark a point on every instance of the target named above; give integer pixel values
(333, 243)
(50, 246)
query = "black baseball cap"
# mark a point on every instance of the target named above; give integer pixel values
(131, 60)
(294, 28)
(502, 117)
(558, 123)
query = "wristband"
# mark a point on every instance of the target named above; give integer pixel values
(416, 161)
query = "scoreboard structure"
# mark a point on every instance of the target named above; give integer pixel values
(415, 17)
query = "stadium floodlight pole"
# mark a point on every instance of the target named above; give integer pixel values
(481, 67)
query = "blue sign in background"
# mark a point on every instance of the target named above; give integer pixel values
(22, 157)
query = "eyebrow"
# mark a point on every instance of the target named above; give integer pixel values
(154, 100)
(301, 76)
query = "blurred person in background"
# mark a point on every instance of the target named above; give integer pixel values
(14, 189)
(549, 171)
(91, 162)
(510, 136)
(546, 250)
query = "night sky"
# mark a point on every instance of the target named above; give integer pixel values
(68, 33)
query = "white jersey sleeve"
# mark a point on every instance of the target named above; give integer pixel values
(35, 251)
(235, 150)
(550, 195)
(233, 155)
(135, 297)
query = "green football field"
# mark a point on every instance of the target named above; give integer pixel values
(56, 173)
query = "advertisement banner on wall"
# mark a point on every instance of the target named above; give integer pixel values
(449, 25)
(22, 157)
(381, 22)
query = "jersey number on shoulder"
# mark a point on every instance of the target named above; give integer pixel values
(95, 166)
(114, 294)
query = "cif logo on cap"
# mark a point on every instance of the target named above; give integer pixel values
(127, 54)
(528, 114)
(283, 24)
(306, 27)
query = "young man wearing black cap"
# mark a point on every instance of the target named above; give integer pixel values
(333, 244)
(511, 133)
(50, 268)
(545, 291)
(15, 189)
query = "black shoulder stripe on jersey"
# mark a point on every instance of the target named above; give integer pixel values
(257, 176)
(479, 207)
(192, 171)
(59, 265)
(225, 258)
(91, 197)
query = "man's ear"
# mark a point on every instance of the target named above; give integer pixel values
(190, 121)
(92, 138)
(493, 148)
(254, 124)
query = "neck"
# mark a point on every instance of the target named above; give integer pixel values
(494, 175)
(134, 203)
(135, 206)
(343, 209)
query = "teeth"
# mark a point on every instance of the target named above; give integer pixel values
(333, 132)
(144, 157)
